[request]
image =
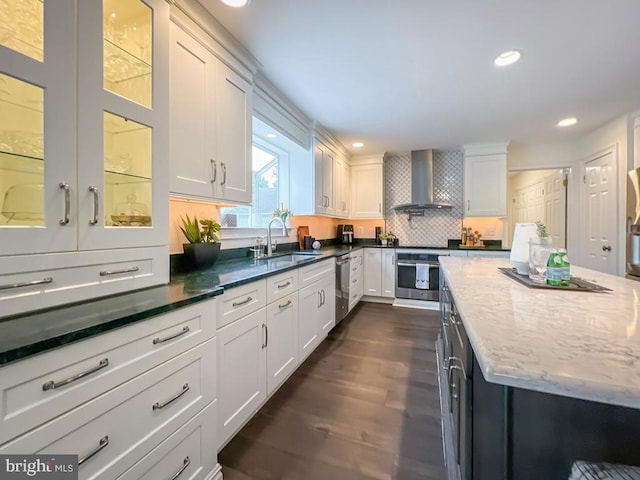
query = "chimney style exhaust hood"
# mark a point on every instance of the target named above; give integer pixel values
(421, 184)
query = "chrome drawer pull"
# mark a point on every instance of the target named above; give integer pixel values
(214, 171)
(104, 441)
(96, 205)
(285, 285)
(26, 284)
(67, 202)
(266, 336)
(185, 464)
(106, 273)
(158, 405)
(158, 340)
(285, 305)
(224, 174)
(51, 385)
(354, 280)
(244, 302)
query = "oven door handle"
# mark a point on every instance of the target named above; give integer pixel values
(404, 264)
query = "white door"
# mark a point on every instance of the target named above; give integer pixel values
(123, 123)
(242, 371)
(282, 340)
(373, 272)
(327, 310)
(38, 183)
(192, 80)
(310, 299)
(388, 273)
(599, 200)
(555, 200)
(234, 129)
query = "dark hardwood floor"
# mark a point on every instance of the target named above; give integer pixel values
(364, 405)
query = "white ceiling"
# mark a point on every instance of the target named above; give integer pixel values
(410, 74)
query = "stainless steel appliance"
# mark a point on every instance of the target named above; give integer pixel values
(343, 264)
(633, 223)
(345, 234)
(406, 274)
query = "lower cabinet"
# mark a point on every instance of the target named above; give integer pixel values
(327, 310)
(154, 385)
(380, 272)
(281, 340)
(309, 334)
(388, 273)
(242, 371)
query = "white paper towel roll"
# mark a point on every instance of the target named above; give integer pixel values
(520, 247)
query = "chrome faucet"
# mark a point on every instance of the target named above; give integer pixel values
(284, 233)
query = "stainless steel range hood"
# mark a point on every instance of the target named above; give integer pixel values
(421, 184)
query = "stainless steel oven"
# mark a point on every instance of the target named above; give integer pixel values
(407, 268)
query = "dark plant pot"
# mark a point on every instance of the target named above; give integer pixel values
(200, 255)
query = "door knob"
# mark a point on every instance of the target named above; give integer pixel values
(606, 248)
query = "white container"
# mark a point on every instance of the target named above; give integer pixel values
(519, 257)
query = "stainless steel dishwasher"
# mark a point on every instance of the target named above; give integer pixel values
(342, 287)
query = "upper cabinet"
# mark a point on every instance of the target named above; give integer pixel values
(485, 181)
(83, 140)
(211, 113)
(367, 187)
(324, 163)
(342, 180)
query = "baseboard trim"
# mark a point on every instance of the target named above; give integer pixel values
(368, 298)
(419, 304)
(215, 474)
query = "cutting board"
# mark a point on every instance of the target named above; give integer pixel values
(302, 232)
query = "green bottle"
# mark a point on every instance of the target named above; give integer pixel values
(554, 268)
(566, 268)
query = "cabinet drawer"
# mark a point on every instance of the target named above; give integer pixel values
(313, 273)
(240, 301)
(27, 398)
(281, 285)
(192, 446)
(122, 425)
(40, 281)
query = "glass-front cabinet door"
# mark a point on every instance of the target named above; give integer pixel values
(123, 123)
(37, 126)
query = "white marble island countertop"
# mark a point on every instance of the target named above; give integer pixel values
(577, 344)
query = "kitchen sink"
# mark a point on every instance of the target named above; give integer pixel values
(288, 259)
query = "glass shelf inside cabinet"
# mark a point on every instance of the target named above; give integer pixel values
(119, 178)
(128, 49)
(22, 27)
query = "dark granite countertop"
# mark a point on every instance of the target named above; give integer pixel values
(23, 336)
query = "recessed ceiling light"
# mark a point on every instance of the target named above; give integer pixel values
(271, 135)
(567, 122)
(235, 3)
(357, 145)
(507, 58)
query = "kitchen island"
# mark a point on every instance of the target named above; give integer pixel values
(533, 379)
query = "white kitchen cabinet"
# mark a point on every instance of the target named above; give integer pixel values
(242, 371)
(356, 278)
(373, 272)
(327, 310)
(342, 183)
(309, 334)
(388, 273)
(323, 160)
(485, 182)
(281, 340)
(367, 188)
(211, 111)
(84, 167)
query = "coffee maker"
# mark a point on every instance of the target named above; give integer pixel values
(345, 234)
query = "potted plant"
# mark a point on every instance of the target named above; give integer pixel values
(384, 238)
(203, 247)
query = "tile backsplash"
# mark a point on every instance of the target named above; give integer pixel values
(437, 225)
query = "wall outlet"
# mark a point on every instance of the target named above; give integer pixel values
(360, 231)
(491, 231)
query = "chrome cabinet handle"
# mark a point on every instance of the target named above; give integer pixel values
(106, 273)
(186, 462)
(244, 302)
(289, 302)
(158, 405)
(52, 385)
(104, 441)
(606, 248)
(158, 340)
(67, 202)
(284, 285)
(319, 299)
(26, 284)
(96, 204)
(468, 204)
(324, 296)
(265, 332)
(379, 208)
(224, 174)
(214, 171)
(354, 280)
